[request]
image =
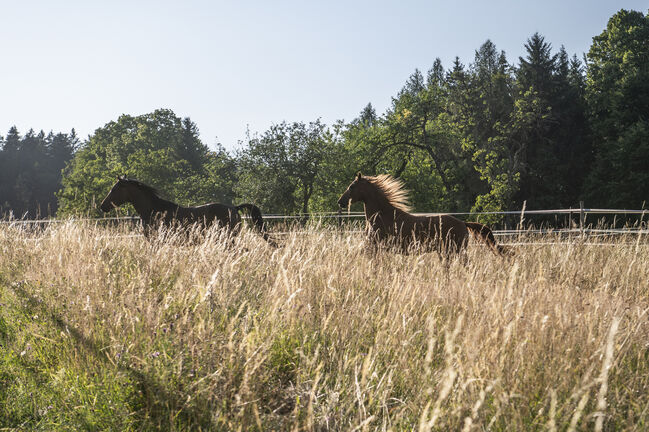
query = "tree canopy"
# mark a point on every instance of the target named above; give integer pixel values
(547, 129)
(159, 149)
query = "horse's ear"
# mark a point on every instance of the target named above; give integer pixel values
(358, 175)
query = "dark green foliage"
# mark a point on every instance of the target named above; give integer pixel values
(488, 136)
(159, 149)
(617, 90)
(30, 171)
(282, 169)
(558, 152)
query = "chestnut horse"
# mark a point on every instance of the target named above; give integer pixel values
(153, 209)
(389, 221)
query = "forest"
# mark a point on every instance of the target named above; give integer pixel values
(548, 129)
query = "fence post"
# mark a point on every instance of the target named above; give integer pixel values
(521, 220)
(581, 218)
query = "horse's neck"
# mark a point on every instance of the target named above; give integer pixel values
(147, 205)
(143, 204)
(162, 206)
(379, 210)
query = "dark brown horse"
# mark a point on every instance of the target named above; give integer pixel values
(153, 209)
(389, 221)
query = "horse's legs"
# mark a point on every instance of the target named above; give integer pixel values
(147, 230)
(231, 233)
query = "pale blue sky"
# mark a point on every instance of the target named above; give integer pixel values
(233, 64)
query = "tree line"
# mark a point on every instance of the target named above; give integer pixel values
(30, 171)
(548, 129)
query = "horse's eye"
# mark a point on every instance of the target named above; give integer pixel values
(352, 186)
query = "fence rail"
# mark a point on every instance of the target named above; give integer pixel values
(581, 229)
(324, 215)
(569, 211)
(573, 211)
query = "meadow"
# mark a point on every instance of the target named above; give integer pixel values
(102, 329)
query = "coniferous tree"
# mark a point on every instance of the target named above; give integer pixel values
(496, 152)
(572, 143)
(617, 91)
(31, 171)
(368, 115)
(9, 159)
(536, 88)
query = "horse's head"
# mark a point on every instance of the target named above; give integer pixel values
(355, 191)
(118, 195)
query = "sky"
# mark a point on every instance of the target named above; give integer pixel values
(237, 66)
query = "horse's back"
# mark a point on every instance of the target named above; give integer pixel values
(449, 232)
(442, 222)
(214, 208)
(224, 214)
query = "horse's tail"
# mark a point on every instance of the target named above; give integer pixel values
(484, 233)
(255, 215)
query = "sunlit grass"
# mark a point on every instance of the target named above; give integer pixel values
(104, 329)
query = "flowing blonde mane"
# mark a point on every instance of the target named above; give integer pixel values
(393, 189)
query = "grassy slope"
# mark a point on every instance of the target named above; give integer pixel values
(102, 330)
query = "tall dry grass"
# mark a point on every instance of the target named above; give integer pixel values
(321, 335)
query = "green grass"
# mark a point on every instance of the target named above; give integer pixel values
(53, 378)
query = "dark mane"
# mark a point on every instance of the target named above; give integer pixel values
(145, 187)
